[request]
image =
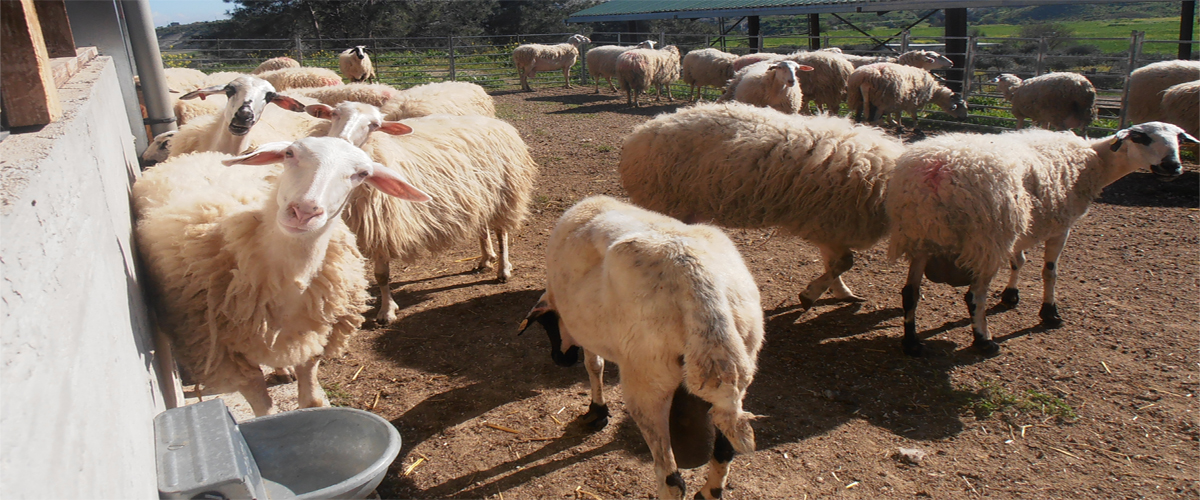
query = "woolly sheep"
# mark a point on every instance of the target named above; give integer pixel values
(771, 84)
(755, 58)
(706, 68)
(1057, 101)
(1147, 83)
(190, 109)
(602, 61)
(533, 57)
(825, 85)
(221, 78)
(963, 204)
(275, 63)
(231, 132)
(675, 306)
(356, 64)
(253, 266)
(1181, 106)
(924, 59)
(639, 69)
(477, 168)
(821, 178)
(184, 79)
(884, 88)
(294, 78)
(375, 94)
(451, 98)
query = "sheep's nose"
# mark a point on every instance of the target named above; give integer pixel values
(244, 113)
(304, 212)
(1167, 170)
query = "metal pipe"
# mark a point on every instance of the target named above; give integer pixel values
(144, 43)
(1187, 22)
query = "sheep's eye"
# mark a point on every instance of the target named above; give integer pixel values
(373, 126)
(360, 175)
(288, 154)
(229, 91)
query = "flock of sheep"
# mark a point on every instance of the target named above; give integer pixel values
(257, 231)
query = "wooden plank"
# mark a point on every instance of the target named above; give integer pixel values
(30, 97)
(66, 67)
(56, 29)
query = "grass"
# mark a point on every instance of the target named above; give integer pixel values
(336, 395)
(992, 399)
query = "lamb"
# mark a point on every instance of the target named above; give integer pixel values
(452, 98)
(821, 178)
(253, 266)
(675, 306)
(825, 85)
(884, 88)
(275, 63)
(1057, 101)
(706, 68)
(375, 94)
(771, 84)
(963, 204)
(638, 69)
(294, 78)
(602, 61)
(533, 57)
(1181, 106)
(477, 168)
(1146, 85)
(356, 64)
(230, 132)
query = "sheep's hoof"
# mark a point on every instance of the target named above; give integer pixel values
(385, 319)
(1050, 317)
(806, 303)
(596, 416)
(1010, 298)
(986, 347)
(913, 347)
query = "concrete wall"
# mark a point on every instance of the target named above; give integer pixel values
(78, 388)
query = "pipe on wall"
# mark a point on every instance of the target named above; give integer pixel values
(144, 43)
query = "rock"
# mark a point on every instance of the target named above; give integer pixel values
(910, 455)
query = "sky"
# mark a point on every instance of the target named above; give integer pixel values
(187, 11)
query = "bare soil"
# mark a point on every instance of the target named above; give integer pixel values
(1102, 408)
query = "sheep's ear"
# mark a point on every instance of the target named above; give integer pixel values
(1186, 138)
(271, 152)
(395, 128)
(285, 102)
(542, 307)
(1120, 135)
(202, 93)
(322, 111)
(804, 67)
(390, 182)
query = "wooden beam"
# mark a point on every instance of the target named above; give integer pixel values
(56, 29)
(30, 97)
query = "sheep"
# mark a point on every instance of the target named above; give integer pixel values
(221, 78)
(602, 61)
(771, 84)
(924, 59)
(963, 204)
(884, 88)
(452, 98)
(253, 266)
(821, 178)
(757, 57)
(184, 79)
(825, 85)
(375, 94)
(533, 57)
(706, 68)
(675, 306)
(1181, 106)
(159, 148)
(292, 78)
(1057, 101)
(356, 64)
(275, 63)
(638, 69)
(190, 109)
(476, 167)
(230, 132)
(1146, 85)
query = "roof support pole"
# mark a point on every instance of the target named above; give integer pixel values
(1187, 22)
(956, 47)
(814, 32)
(752, 31)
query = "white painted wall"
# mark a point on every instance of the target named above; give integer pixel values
(78, 389)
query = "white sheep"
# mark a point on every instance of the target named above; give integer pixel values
(159, 148)
(221, 78)
(821, 178)
(253, 266)
(533, 57)
(1147, 83)
(190, 109)
(962, 205)
(639, 69)
(602, 61)
(294, 78)
(184, 79)
(675, 306)
(883, 88)
(1181, 106)
(375, 94)
(451, 98)
(825, 85)
(754, 58)
(234, 130)
(1057, 101)
(770, 84)
(275, 63)
(706, 68)
(924, 59)
(477, 168)
(356, 64)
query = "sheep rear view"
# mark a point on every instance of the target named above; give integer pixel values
(1057, 101)
(706, 68)
(602, 62)
(820, 178)
(640, 69)
(674, 305)
(1147, 83)
(534, 57)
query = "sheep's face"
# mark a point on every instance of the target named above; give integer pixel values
(354, 121)
(785, 72)
(578, 40)
(1005, 83)
(646, 44)
(319, 175)
(247, 95)
(933, 60)
(1153, 144)
(159, 149)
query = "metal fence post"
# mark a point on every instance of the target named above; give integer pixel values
(1040, 56)
(450, 46)
(662, 38)
(969, 70)
(904, 42)
(583, 72)
(299, 48)
(1135, 49)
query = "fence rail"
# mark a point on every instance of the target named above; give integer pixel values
(487, 61)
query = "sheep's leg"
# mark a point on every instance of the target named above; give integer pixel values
(1049, 312)
(976, 299)
(1020, 122)
(567, 77)
(610, 84)
(524, 80)
(254, 389)
(387, 305)
(597, 414)
(1011, 296)
(505, 269)
(650, 407)
(718, 469)
(487, 255)
(308, 390)
(910, 295)
(837, 261)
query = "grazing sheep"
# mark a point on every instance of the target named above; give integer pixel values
(962, 205)
(706, 68)
(451, 98)
(884, 88)
(356, 65)
(673, 305)
(825, 85)
(1181, 106)
(1146, 85)
(375, 94)
(295, 78)
(253, 266)
(821, 178)
(755, 58)
(275, 63)
(230, 132)
(639, 69)
(602, 61)
(769, 84)
(533, 57)
(477, 169)
(1057, 101)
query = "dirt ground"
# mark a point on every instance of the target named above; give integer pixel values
(1103, 408)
